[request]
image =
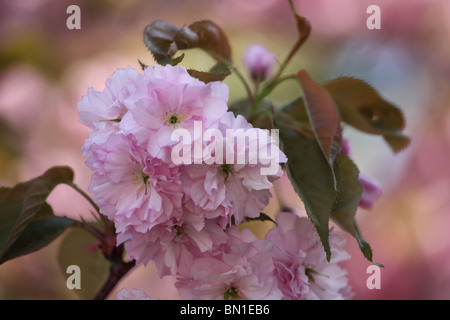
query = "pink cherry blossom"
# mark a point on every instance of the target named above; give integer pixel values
(301, 267)
(237, 270)
(183, 217)
(173, 246)
(130, 187)
(102, 111)
(168, 98)
(108, 105)
(234, 189)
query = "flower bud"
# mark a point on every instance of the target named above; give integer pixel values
(259, 62)
(371, 189)
(346, 148)
(370, 193)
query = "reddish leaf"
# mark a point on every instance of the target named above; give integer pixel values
(304, 30)
(212, 38)
(323, 114)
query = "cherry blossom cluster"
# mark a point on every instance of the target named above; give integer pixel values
(184, 217)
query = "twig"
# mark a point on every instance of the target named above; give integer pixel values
(85, 195)
(118, 269)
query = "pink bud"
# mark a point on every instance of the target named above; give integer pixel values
(346, 148)
(370, 193)
(259, 62)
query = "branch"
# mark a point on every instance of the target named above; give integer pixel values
(118, 269)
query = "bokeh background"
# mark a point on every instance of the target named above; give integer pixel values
(46, 68)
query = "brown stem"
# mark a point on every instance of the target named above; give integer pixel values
(117, 270)
(113, 254)
(304, 29)
(85, 195)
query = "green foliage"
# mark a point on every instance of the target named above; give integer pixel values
(78, 248)
(310, 129)
(240, 107)
(323, 116)
(262, 217)
(217, 73)
(363, 108)
(310, 175)
(348, 195)
(37, 234)
(311, 136)
(21, 210)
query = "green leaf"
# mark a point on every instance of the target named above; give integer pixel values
(310, 175)
(240, 107)
(363, 108)
(349, 192)
(37, 234)
(296, 118)
(217, 73)
(262, 119)
(365, 247)
(22, 203)
(262, 217)
(296, 110)
(93, 265)
(206, 77)
(143, 65)
(323, 115)
(326, 193)
(347, 200)
(397, 141)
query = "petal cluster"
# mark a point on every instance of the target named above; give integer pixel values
(163, 211)
(301, 267)
(176, 173)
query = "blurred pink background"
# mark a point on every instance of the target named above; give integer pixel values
(46, 68)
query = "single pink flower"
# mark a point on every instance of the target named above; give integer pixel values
(301, 267)
(235, 187)
(173, 246)
(237, 270)
(168, 98)
(109, 104)
(102, 111)
(130, 187)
